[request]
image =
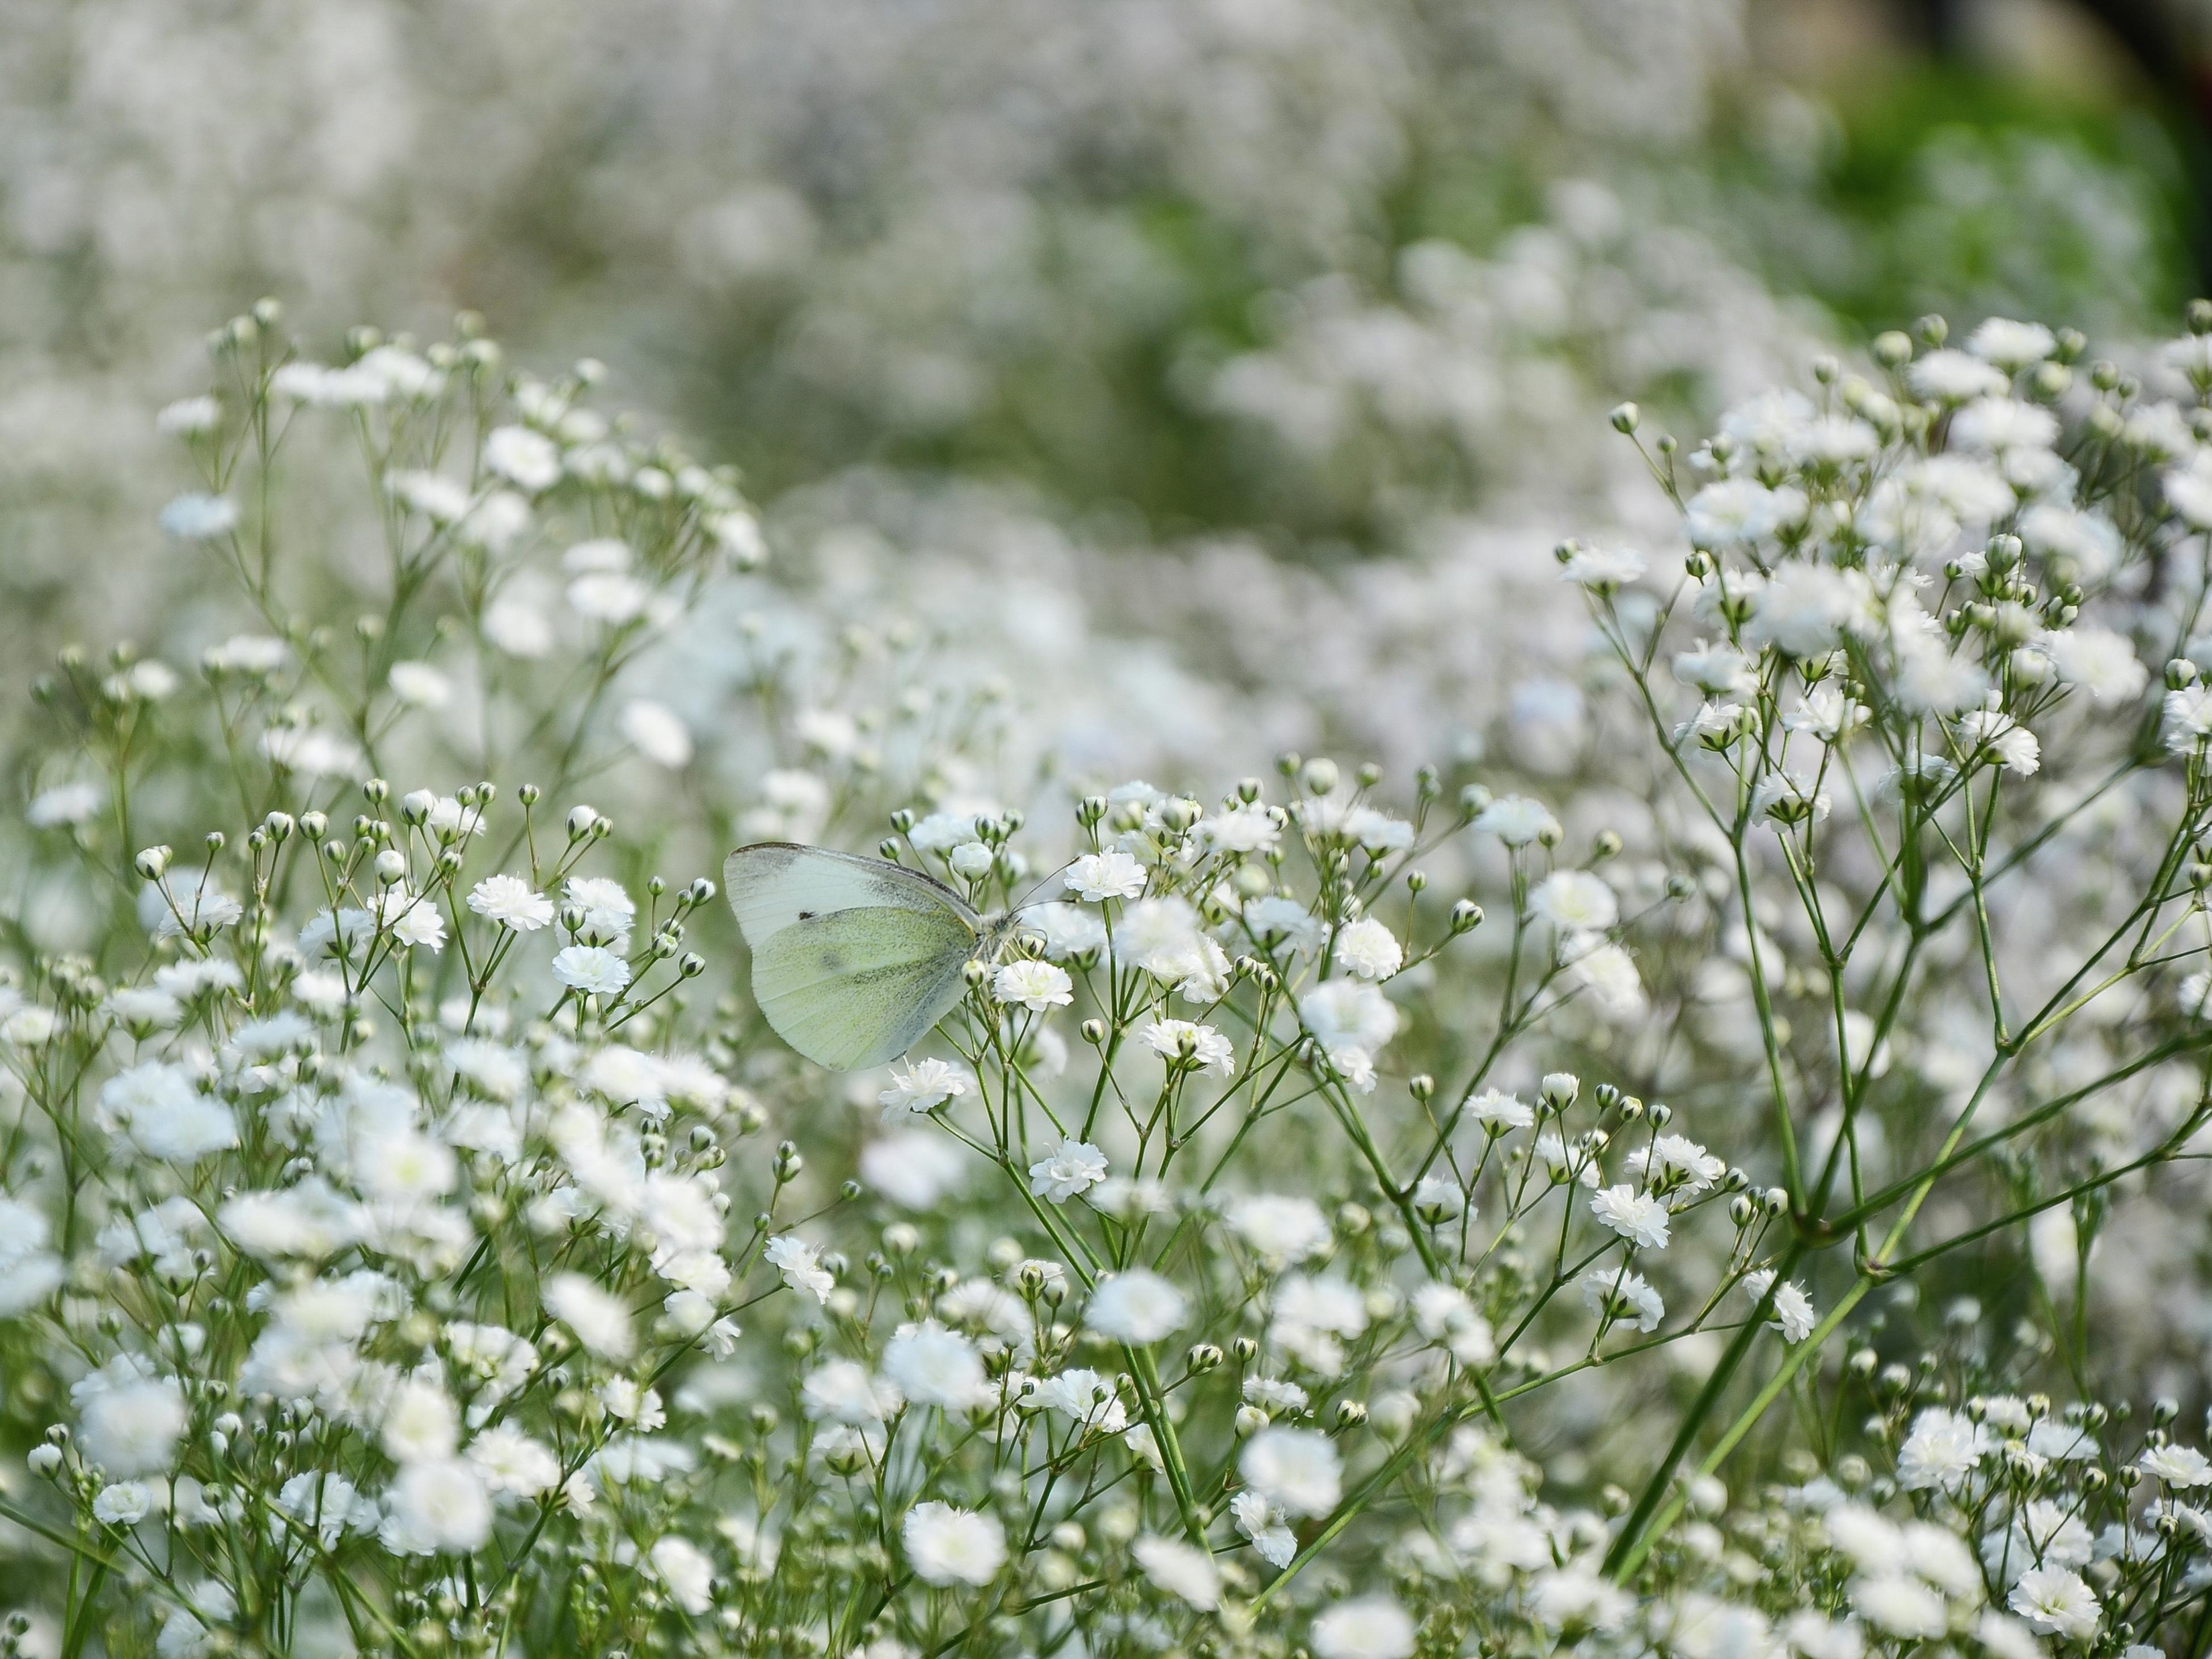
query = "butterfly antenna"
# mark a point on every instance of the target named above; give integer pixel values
(1029, 898)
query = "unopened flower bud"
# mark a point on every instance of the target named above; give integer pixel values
(1319, 777)
(153, 863)
(415, 806)
(1626, 418)
(390, 865)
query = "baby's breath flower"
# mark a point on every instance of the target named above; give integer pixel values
(1296, 1470)
(948, 1545)
(921, 1086)
(590, 968)
(1366, 1627)
(1072, 1167)
(1637, 1217)
(1182, 1569)
(1112, 874)
(1180, 1039)
(1036, 986)
(1135, 1306)
(800, 1265)
(512, 903)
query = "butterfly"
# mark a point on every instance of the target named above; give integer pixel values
(854, 959)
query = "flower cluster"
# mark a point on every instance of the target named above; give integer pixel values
(1478, 1206)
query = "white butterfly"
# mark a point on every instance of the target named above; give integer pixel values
(854, 959)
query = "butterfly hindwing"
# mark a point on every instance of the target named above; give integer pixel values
(859, 987)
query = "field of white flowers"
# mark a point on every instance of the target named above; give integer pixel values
(1605, 1022)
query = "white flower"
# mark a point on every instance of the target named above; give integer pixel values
(2016, 748)
(1282, 1229)
(2098, 660)
(658, 733)
(420, 1422)
(200, 518)
(843, 1391)
(600, 1321)
(1803, 608)
(1366, 1627)
(188, 416)
(1250, 826)
(1369, 950)
(1266, 1526)
(2009, 346)
(1072, 1167)
(1499, 1111)
(1036, 986)
(609, 910)
(436, 1506)
(1136, 1306)
(419, 685)
(1614, 1293)
(945, 1546)
(684, 1568)
(1950, 376)
(1717, 669)
(1737, 512)
(2057, 1603)
(934, 1366)
(1209, 1049)
(800, 1265)
(122, 1504)
(1182, 1569)
(2187, 717)
(513, 902)
(591, 969)
(921, 1086)
(1085, 1396)
(1348, 1013)
(1098, 876)
(1992, 426)
(64, 804)
(913, 1168)
(1602, 569)
(131, 1423)
(525, 459)
(610, 598)
(1275, 921)
(1793, 1307)
(2176, 1465)
(165, 1117)
(1296, 1470)
(1517, 820)
(1576, 901)
(311, 751)
(1637, 1217)
(1898, 1606)
(1437, 1200)
(1940, 1451)
(512, 1462)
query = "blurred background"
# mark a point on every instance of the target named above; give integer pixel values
(1244, 286)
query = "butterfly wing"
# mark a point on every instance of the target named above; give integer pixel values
(854, 959)
(861, 986)
(776, 883)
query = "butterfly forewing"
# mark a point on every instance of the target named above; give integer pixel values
(776, 883)
(854, 959)
(861, 986)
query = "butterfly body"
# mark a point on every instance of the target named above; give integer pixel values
(854, 959)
